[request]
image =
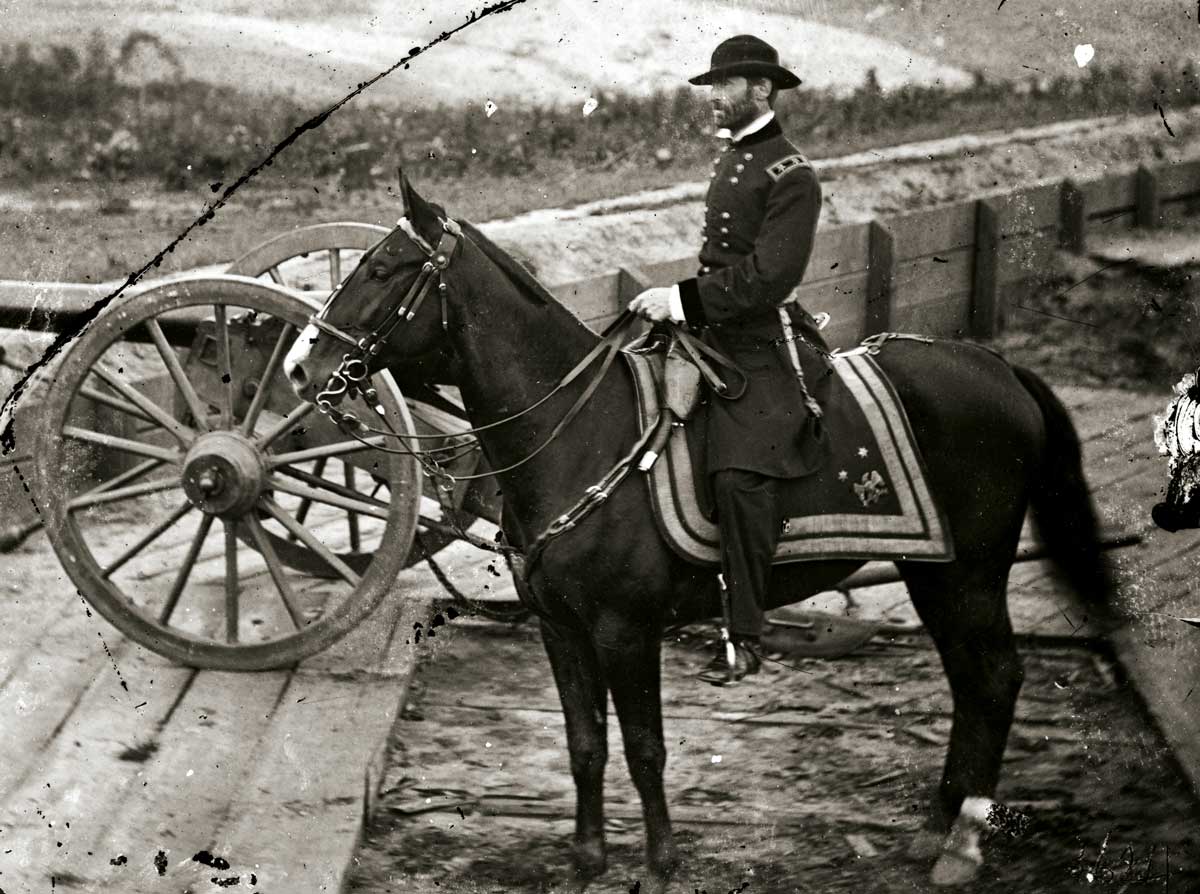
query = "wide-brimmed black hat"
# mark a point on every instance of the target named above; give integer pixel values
(748, 56)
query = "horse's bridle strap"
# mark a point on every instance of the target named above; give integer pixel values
(329, 329)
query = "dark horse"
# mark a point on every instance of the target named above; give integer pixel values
(995, 438)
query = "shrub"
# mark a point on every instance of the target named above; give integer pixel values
(69, 114)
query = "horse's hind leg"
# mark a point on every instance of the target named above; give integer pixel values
(964, 608)
(585, 707)
(631, 655)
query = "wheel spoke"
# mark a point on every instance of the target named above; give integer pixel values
(264, 381)
(306, 504)
(306, 537)
(123, 444)
(351, 517)
(329, 499)
(341, 448)
(98, 396)
(225, 367)
(276, 276)
(275, 567)
(115, 494)
(189, 562)
(182, 433)
(231, 581)
(335, 267)
(147, 465)
(146, 539)
(317, 481)
(171, 359)
(283, 426)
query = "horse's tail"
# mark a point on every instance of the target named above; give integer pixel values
(1062, 505)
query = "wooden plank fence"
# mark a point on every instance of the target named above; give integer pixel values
(951, 270)
(946, 270)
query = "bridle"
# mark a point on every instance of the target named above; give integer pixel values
(350, 376)
(352, 372)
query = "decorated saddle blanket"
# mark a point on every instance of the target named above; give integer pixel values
(871, 501)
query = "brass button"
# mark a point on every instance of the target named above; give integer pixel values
(749, 156)
(740, 168)
(713, 174)
(724, 245)
(733, 179)
(705, 269)
(724, 230)
(724, 215)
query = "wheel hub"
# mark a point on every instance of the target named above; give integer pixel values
(224, 474)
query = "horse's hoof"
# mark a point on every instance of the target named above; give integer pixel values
(590, 860)
(655, 884)
(954, 868)
(926, 845)
(961, 856)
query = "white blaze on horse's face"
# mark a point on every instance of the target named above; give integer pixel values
(300, 349)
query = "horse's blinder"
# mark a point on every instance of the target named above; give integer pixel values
(354, 369)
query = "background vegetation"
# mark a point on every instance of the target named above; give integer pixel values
(77, 115)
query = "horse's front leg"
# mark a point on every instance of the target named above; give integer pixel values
(631, 655)
(585, 707)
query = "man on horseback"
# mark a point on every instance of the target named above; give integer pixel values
(760, 219)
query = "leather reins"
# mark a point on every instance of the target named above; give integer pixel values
(350, 376)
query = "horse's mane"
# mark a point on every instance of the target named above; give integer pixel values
(514, 269)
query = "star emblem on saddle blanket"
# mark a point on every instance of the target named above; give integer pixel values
(870, 488)
(843, 475)
(862, 452)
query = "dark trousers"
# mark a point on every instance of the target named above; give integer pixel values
(749, 520)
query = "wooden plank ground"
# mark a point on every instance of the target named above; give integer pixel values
(118, 768)
(110, 752)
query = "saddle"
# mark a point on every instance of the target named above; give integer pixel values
(870, 501)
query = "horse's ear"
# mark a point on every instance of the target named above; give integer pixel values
(423, 217)
(403, 184)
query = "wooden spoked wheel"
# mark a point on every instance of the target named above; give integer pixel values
(315, 259)
(174, 460)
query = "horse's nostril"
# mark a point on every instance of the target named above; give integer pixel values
(297, 375)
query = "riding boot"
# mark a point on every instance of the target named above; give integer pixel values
(749, 522)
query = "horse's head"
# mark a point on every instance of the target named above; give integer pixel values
(1177, 435)
(390, 312)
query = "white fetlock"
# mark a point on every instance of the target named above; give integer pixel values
(961, 855)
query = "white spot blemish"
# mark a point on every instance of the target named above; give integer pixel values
(1084, 53)
(490, 108)
(716, 758)
(590, 105)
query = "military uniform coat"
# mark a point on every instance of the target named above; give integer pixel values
(759, 223)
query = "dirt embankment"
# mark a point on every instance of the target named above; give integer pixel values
(663, 225)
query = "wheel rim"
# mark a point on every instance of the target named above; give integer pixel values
(176, 473)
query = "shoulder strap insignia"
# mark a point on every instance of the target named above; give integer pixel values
(790, 163)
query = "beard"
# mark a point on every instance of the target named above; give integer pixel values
(736, 113)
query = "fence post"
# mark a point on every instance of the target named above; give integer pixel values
(1072, 229)
(1146, 211)
(630, 283)
(881, 269)
(985, 303)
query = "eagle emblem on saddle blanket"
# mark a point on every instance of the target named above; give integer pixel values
(869, 501)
